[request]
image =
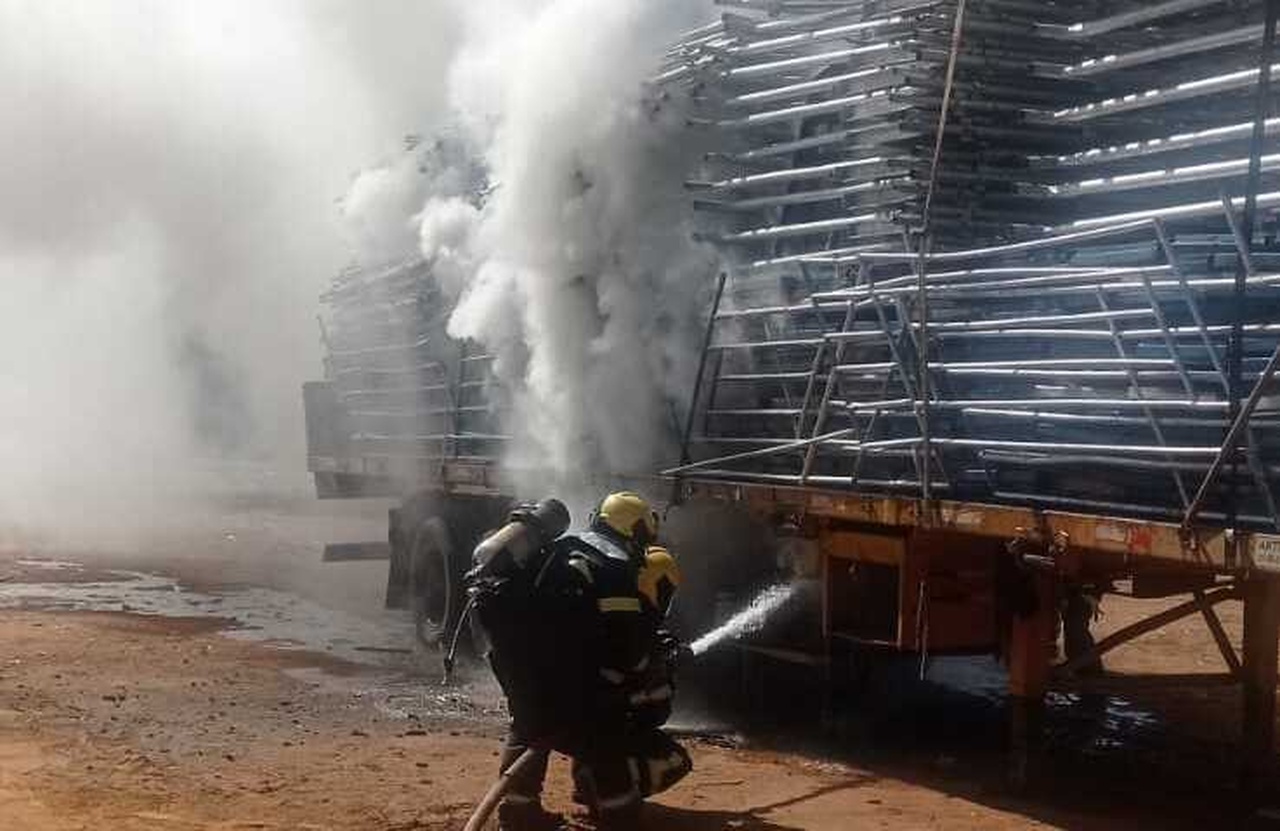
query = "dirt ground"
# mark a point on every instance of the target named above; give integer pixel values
(118, 720)
(113, 721)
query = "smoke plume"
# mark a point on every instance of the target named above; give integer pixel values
(584, 280)
(170, 212)
(167, 220)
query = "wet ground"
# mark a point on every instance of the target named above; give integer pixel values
(407, 675)
(373, 656)
(253, 613)
(218, 675)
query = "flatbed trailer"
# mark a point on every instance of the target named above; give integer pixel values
(1046, 375)
(980, 342)
(940, 568)
(946, 559)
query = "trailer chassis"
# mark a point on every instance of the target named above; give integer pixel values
(937, 546)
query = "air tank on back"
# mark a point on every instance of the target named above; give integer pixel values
(529, 527)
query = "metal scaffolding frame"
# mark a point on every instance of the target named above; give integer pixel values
(407, 390)
(951, 272)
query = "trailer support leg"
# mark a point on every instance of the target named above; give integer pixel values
(1261, 639)
(1030, 648)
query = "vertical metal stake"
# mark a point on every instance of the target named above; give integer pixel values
(702, 366)
(1262, 106)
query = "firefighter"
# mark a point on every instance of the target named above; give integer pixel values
(587, 671)
(635, 759)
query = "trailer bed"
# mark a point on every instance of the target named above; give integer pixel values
(1132, 539)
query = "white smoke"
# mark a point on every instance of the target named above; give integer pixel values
(379, 209)
(447, 236)
(383, 212)
(167, 220)
(583, 280)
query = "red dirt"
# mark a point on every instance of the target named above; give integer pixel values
(120, 722)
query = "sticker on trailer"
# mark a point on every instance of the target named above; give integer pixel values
(1266, 553)
(1140, 539)
(1110, 533)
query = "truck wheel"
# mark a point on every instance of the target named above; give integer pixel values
(434, 593)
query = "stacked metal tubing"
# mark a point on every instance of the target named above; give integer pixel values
(1069, 339)
(407, 389)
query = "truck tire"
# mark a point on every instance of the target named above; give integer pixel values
(435, 593)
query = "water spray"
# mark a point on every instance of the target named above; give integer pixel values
(749, 620)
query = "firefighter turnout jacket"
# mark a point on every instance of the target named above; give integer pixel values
(573, 643)
(586, 671)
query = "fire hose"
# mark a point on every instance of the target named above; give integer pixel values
(499, 789)
(451, 656)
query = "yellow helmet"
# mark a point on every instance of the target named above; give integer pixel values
(628, 515)
(659, 577)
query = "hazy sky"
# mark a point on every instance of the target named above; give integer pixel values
(168, 217)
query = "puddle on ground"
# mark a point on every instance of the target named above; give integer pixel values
(267, 616)
(961, 710)
(408, 684)
(1089, 721)
(51, 565)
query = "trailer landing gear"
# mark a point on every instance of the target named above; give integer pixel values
(1261, 637)
(1031, 649)
(1030, 653)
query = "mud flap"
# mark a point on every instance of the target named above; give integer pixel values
(397, 596)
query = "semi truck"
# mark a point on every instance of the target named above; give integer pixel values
(995, 337)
